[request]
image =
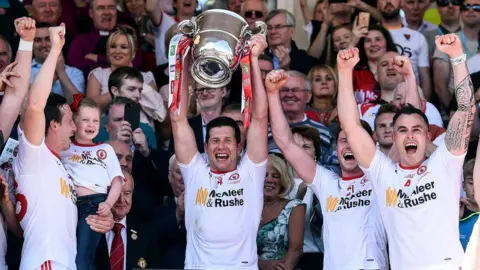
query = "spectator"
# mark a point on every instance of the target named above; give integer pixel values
(473, 63)
(280, 236)
(469, 209)
(5, 53)
(295, 95)
(409, 42)
(9, 12)
(266, 65)
(47, 11)
(313, 22)
(161, 23)
(89, 51)
(414, 13)
(365, 75)
(68, 80)
(235, 5)
(322, 107)
(285, 53)
(344, 37)
(253, 11)
(116, 128)
(442, 72)
(383, 132)
(184, 9)
(449, 11)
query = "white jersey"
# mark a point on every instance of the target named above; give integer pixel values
(414, 45)
(368, 112)
(92, 166)
(222, 214)
(420, 210)
(352, 225)
(45, 206)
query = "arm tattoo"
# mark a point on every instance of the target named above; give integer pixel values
(460, 127)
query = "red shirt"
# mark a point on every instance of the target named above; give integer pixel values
(365, 86)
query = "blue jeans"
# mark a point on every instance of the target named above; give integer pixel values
(87, 240)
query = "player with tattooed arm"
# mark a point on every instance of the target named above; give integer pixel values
(418, 197)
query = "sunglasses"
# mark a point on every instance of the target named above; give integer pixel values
(250, 13)
(474, 7)
(444, 3)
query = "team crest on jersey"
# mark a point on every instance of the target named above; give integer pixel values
(364, 181)
(422, 170)
(101, 154)
(234, 179)
(407, 36)
(219, 180)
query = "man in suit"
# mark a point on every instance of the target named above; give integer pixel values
(132, 243)
(210, 101)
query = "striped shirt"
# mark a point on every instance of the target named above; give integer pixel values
(328, 154)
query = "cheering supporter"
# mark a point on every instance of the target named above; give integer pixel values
(5, 53)
(184, 9)
(285, 53)
(113, 124)
(365, 75)
(253, 11)
(224, 194)
(414, 13)
(442, 70)
(280, 236)
(324, 94)
(389, 80)
(313, 22)
(449, 11)
(344, 37)
(45, 130)
(416, 185)
(408, 42)
(469, 209)
(342, 197)
(89, 51)
(94, 170)
(68, 80)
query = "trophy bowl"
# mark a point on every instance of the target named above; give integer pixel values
(219, 40)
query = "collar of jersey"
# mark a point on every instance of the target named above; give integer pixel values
(394, 27)
(221, 172)
(85, 145)
(53, 152)
(353, 177)
(414, 167)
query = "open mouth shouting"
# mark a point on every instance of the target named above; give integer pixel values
(348, 156)
(411, 148)
(222, 156)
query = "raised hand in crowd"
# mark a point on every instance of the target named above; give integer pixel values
(124, 133)
(283, 56)
(403, 66)
(359, 31)
(140, 142)
(5, 76)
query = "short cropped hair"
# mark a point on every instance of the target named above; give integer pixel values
(232, 107)
(294, 73)
(53, 110)
(311, 134)
(384, 109)
(364, 124)
(265, 57)
(123, 73)
(289, 18)
(468, 168)
(118, 100)
(223, 121)
(409, 109)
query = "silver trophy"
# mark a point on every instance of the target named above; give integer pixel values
(220, 39)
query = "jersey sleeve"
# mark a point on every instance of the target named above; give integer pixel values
(189, 171)
(319, 183)
(380, 162)
(113, 165)
(29, 155)
(256, 171)
(423, 58)
(452, 163)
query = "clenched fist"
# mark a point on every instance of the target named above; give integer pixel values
(57, 37)
(347, 59)
(402, 65)
(258, 43)
(275, 80)
(449, 44)
(25, 28)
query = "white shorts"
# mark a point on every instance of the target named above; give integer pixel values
(49, 265)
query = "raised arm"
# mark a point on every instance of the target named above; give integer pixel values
(154, 11)
(301, 162)
(257, 149)
(403, 66)
(185, 144)
(17, 90)
(361, 143)
(33, 121)
(460, 126)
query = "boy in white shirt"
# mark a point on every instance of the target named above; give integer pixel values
(93, 168)
(418, 197)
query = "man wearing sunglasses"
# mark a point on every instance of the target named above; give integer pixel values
(442, 72)
(254, 10)
(449, 11)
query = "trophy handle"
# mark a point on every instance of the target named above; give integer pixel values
(260, 28)
(187, 27)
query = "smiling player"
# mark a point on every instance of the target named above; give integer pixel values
(418, 197)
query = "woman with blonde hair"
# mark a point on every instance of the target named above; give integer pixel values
(280, 236)
(324, 94)
(121, 48)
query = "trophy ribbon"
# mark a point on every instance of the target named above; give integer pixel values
(178, 50)
(247, 93)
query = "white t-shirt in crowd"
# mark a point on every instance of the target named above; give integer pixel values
(222, 214)
(473, 63)
(160, 31)
(419, 207)
(92, 166)
(414, 45)
(353, 232)
(46, 206)
(368, 112)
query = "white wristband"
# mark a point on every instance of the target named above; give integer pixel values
(25, 45)
(458, 60)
